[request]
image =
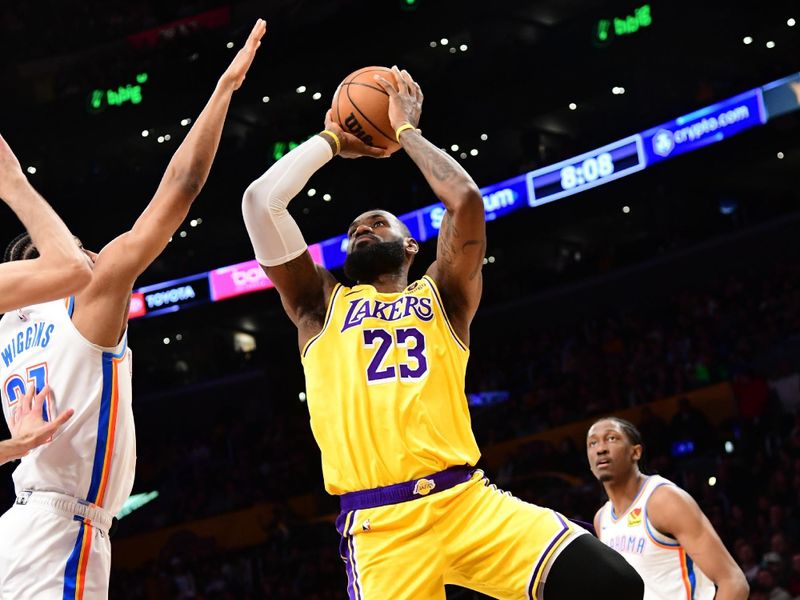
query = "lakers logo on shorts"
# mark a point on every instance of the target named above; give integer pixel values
(424, 486)
(635, 517)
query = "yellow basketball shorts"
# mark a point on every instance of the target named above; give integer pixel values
(471, 534)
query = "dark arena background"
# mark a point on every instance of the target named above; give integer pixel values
(639, 163)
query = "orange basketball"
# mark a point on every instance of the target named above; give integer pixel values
(361, 106)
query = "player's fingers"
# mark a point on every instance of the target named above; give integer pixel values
(386, 85)
(39, 399)
(27, 399)
(374, 152)
(258, 31)
(410, 83)
(402, 84)
(15, 417)
(62, 418)
(357, 146)
(367, 150)
(45, 433)
(413, 85)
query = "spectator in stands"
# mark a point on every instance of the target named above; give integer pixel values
(690, 424)
(793, 585)
(747, 560)
(765, 581)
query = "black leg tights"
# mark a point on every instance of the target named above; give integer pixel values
(588, 569)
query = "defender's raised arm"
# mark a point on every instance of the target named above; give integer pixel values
(101, 307)
(61, 268)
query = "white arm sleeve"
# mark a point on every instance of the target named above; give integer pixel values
(275, 236)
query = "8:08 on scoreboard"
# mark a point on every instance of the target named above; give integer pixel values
(588, 170)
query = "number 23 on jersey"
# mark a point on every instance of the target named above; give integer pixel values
(410, 365)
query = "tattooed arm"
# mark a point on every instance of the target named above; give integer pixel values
(462, 236)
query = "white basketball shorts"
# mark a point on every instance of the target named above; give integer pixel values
(54, 547)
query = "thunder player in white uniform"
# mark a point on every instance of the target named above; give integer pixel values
(54, 540)
(655, 525)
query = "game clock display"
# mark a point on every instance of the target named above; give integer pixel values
(586, 171)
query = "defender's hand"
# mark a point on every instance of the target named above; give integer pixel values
(28, 428)
(237, 70)
(352, 147)
(405, 99)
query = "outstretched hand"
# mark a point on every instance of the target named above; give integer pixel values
(28, 428)
(236, 72)
(352, 147)
(405, 98)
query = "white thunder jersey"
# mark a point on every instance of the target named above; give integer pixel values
(667, 571)
(93, 456)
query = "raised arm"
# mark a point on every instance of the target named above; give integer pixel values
(61, 268)
(675, 512)
(462, 236)
(101, 308)
(279, 246)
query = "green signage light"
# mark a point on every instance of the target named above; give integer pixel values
(281, 148)
(134, 502)
(128, 93)
(605, 29)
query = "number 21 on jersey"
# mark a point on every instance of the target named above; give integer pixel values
(15, 385)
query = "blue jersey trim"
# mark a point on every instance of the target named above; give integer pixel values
(102, 426)
(673, 543)
(71, 569)
(692, 576)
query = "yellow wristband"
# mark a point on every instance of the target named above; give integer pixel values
(401, 129)
(335, 139)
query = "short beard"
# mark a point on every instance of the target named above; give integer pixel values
(373, 260)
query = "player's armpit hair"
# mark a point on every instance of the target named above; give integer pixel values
(20, 248)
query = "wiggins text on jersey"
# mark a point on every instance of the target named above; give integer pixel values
(35, 335)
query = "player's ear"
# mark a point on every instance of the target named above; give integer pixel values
(637, 452)
(411, 245)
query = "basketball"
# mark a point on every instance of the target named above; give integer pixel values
(361, 107)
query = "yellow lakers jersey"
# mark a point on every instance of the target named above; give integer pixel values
(385, 388)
